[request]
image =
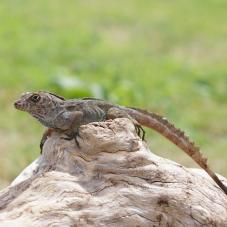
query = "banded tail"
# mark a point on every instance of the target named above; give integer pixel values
(165, 128)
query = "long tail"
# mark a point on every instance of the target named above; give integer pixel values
(165, 128)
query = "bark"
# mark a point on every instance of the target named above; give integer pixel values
(111, 180)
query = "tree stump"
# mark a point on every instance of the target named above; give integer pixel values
(111, 180)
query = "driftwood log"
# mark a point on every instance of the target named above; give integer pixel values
(112, 180)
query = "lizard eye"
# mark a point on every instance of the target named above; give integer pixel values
(35, 98)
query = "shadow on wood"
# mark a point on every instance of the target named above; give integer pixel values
(112, 180)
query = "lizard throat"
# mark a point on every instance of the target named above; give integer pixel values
(43, 120)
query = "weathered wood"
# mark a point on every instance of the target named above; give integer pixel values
(112, 180)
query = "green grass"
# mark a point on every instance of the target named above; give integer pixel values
(166, 56)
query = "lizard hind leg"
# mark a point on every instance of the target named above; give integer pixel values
(116, 112)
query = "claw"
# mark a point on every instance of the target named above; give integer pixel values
(138, 131)
(73, 136)
(143, 136)
(41, 146)
(76, 141)
(46, 134)
(76, 135)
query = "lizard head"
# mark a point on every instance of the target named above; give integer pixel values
(41, 105)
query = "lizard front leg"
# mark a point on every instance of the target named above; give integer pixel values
(115, 112)
(70, 122)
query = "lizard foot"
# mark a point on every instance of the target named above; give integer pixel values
(139, 129)
(74, 136)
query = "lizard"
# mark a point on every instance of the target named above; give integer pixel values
(57, 113)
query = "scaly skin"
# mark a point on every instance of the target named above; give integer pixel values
(56, 113)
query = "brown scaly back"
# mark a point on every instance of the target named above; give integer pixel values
(57, 96)
(178, 137)
(91, 98)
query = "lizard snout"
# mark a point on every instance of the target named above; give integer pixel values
(18, 105)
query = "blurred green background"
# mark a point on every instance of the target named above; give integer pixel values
(166, 56)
